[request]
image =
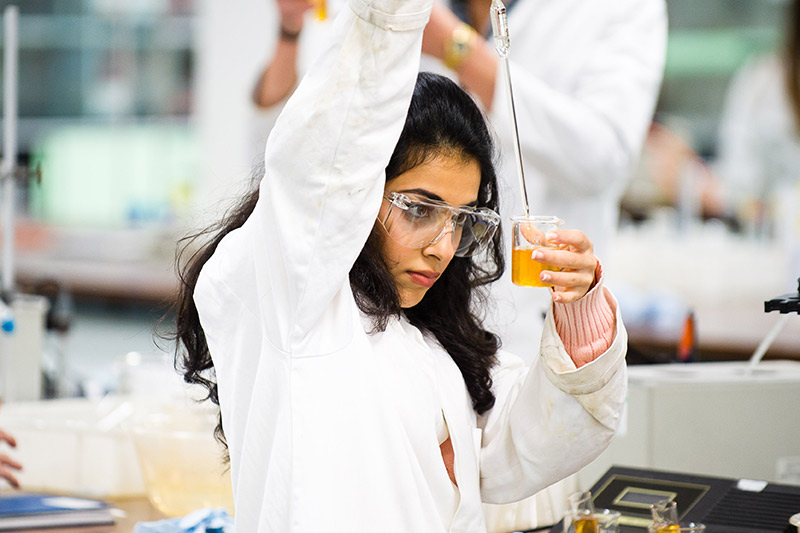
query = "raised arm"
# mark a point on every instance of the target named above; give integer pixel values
(280, 75)
(324, 177)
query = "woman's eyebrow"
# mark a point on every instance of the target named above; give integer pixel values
(422, 192)
(433, 196)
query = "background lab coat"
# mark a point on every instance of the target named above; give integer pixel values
(333, 429)
(586, 77)
(759, 156)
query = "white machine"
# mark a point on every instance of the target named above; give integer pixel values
(729, 419)
(23, 319)
(717, 419)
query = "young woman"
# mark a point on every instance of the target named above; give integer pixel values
(335, 314)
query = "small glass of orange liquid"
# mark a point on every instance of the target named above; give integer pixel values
(676, 528)
(665, 519)
(320, 9)
(599, 521)
(528, 235)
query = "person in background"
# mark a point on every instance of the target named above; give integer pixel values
(672, 174)
(7, 464)
(586, 78)
(759, 138)
(335, 315)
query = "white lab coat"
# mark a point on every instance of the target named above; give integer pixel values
(331, 428)
(759, 149)
(586, 76)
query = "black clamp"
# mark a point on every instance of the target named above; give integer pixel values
(788, 303)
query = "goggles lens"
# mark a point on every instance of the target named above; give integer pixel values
(416, 223)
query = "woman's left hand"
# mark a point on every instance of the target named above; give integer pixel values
(573, 255)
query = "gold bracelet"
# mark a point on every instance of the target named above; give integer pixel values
(458, 46)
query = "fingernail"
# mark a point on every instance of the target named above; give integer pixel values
(537, 255)
(544, 276)
(551, 236)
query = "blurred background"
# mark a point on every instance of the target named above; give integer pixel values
(136, 127)
(138, 120)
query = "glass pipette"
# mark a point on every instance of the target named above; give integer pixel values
(502, 43)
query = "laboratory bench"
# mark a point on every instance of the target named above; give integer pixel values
(134, 264)
(136, 510)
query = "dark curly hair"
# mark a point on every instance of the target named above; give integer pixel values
(442, 120)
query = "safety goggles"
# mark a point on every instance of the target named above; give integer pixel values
(416, 223)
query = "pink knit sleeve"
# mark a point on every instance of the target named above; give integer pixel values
(586, 327)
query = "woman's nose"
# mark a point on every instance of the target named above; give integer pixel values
(443, 247)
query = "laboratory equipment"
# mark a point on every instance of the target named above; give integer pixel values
(692, 528)
(664, 513)
(786, 304)
(182, 463)
(665, 519)
(723, 505)
(10, 115)
(528, 235)
(22, 315)
(581, 513)
(75, 446)
(502, 43)
(732, 428)
(320, 9)
(582, 517)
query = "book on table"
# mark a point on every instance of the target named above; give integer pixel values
(26, 510)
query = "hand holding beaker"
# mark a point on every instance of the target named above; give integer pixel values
(544, 256)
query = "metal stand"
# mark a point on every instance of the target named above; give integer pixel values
(788, 303)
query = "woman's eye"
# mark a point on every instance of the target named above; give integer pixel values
(463, 219)
(418, 211)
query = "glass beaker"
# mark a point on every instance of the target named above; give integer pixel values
(676, 528)
(581, 515)
(320, 9)
(664, 512)
(528, 235)
(666, 520)
(600, 521)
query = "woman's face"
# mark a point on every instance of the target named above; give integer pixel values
(444, 178)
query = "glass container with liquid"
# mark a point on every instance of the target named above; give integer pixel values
(528, 235)
(666, 520)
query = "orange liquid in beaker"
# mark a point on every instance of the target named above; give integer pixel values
(668, 528)
(585, 524)
(525, 270)
(320, 9)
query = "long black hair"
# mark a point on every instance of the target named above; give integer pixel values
(442, 120)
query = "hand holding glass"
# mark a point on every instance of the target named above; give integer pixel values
(528, 235)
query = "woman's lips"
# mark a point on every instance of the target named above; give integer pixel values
(423, 278)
